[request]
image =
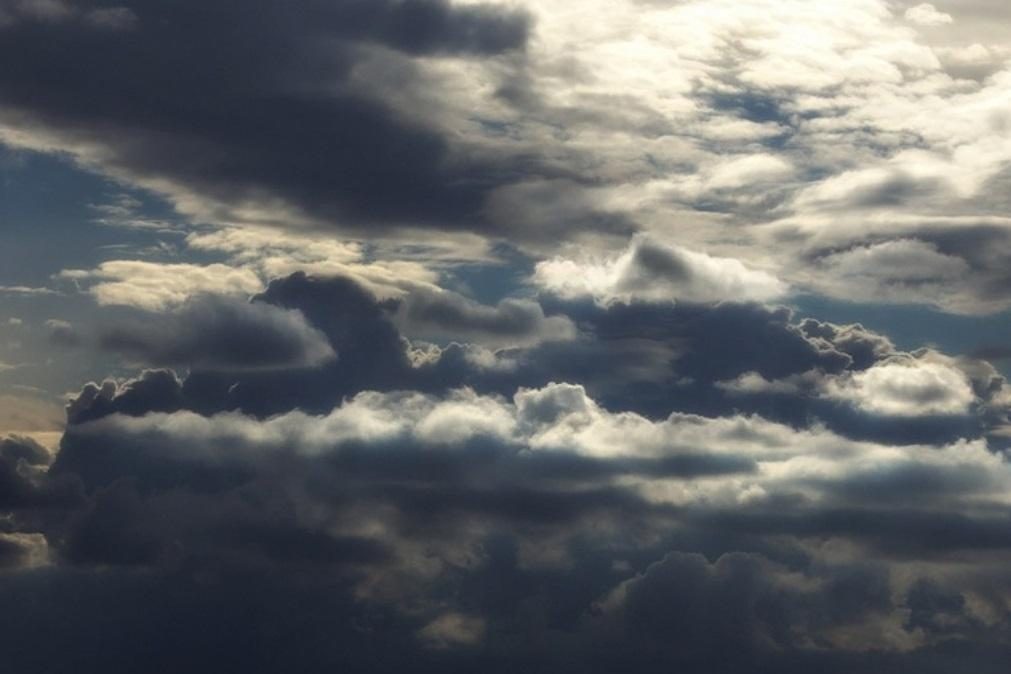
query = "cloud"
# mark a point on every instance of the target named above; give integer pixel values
(24, 481)
(907, 388)
(712, 126)
(453, 629)
(154, 286)
(24, 413)
(448, 316)
(923, 397)
(655, 272)
(26, 291)
(543, 470)
(649, 358)
(532, 406)
(352, 158)
(213, 332)
(926, 14)
(62, 333)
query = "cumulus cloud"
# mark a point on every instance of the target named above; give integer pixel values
(926, 14)
(448, 316)
(654, 272)
(213, 332)
(447, 491)
(378, 165)
(899, 386)
(478, 366)
(410, 497)
(907, 388)
(709, 118)
(648, 358)
(155, 286)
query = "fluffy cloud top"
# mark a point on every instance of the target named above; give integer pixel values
(654, 272)
(153, 286)
(907, 388)
(927, 15)
(834, 130)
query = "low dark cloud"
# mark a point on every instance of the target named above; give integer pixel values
(25, 483)
(648, 358)
(216, 333)
(244, 103)
(625, 457)
(446, 316)
(467, 530)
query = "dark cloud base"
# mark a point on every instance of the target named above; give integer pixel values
(191, 522)
(639, 469)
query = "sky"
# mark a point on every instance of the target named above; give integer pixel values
(519, 335)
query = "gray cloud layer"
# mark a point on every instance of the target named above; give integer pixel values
(832, 503)
(622, 458)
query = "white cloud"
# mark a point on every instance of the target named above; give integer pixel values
(748, 129)
(749, 170)
(899, 271)
(927, 15)
(156, 286)
(448, 316)
(652, 271)
(26, 290)
(765, 458)
(906, 387)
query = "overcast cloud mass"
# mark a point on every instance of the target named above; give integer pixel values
(505, 336)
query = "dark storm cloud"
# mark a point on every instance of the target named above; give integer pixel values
(450, 316)
(234, 102)
(371, 353)
(194, 502)
(417, 26)
(152, 391)
(25, 483)
(657, 474)
(219, 333)
(647, 358)
(728, 612)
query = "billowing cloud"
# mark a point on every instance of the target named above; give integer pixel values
(710, 117)
(926, 14)
(414, 501)
(382, 484)
(154, 286)
(357, 160)
(908, 388)
(213, 332)
(432, 335)
(651, 271)
(447, 316)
